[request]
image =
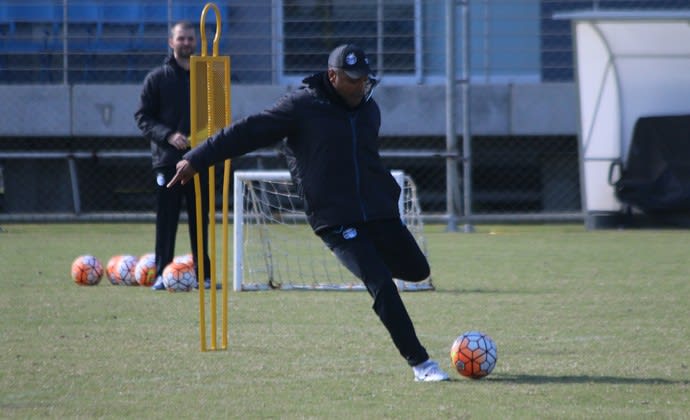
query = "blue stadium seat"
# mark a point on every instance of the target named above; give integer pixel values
(5, 25)
(155, 13)
(84, 12)
(4, 14)
(123, 26)
(23, 11)
(126, 12)
(85, 29)
(100, 33)
(21, 17)
(155, 17)
(85, 25)
(4, 36)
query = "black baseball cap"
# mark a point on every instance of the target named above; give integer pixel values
(351, 59)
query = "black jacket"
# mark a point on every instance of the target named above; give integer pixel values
(163, 110)
(333, 153)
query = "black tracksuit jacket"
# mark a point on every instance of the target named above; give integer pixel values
(332, 152)
(157, 118)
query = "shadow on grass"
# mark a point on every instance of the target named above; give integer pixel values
(492, 291)
(583, 379)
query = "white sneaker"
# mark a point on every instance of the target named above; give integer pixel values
(429, 372)
(158, 285)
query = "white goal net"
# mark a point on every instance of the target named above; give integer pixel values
(275, 248)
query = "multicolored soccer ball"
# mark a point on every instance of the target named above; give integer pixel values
(111, 270)
(474, 354)
(187, 259)
(145, 270)
(124, 270)
(87, 270)
(179, 277)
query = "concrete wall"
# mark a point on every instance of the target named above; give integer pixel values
(107, 110)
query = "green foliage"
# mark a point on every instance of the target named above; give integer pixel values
(588, 325)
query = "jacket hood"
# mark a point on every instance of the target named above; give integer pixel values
(319, 82)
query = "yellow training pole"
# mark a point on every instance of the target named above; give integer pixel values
(194, 140)
(225, 204)
(214, 111)
(224, 282)
(210, 92)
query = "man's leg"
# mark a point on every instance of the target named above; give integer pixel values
(358, 254)
(190, 200)
(401, 254)
(168, 202)
(399, 249)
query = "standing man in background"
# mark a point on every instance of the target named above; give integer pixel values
(164, 119)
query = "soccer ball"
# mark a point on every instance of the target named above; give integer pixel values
(111, 270)
(124, 270)
(473, 354)
(145, 270)
(187, 259)
(179, 277)
(87, 270)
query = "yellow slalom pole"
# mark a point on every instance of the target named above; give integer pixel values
(224, 282)
(210, 95)
(195, 136)
(226, 199)
(214, 121)
(200, 261)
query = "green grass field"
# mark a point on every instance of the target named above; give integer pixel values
(588, 325)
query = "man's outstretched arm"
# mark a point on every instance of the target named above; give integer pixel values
(185, 172)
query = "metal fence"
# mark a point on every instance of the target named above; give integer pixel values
(515, 175)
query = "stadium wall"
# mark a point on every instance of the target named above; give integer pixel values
(417, 110)
(73, 152)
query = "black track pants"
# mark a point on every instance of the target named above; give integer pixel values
(376, 252)
(169, 203)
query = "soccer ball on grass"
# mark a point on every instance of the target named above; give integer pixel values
(179, 277)
(87, 270)
(474, 354)
(187, 259)
(145, 270)
(124, 270)
(111, 270)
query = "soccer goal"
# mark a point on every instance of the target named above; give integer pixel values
(275, 248)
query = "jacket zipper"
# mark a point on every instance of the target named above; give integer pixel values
(353, 126)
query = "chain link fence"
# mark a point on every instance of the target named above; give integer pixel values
(56, 163)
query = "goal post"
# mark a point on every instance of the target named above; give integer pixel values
(275, 248)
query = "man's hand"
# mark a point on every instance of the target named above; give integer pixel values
(184, 173)
(178, 141)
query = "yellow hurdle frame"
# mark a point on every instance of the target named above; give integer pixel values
(217, 113)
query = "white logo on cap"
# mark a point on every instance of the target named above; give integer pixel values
(350, 233)
(351, 59)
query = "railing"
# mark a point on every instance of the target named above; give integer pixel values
(531, 175)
